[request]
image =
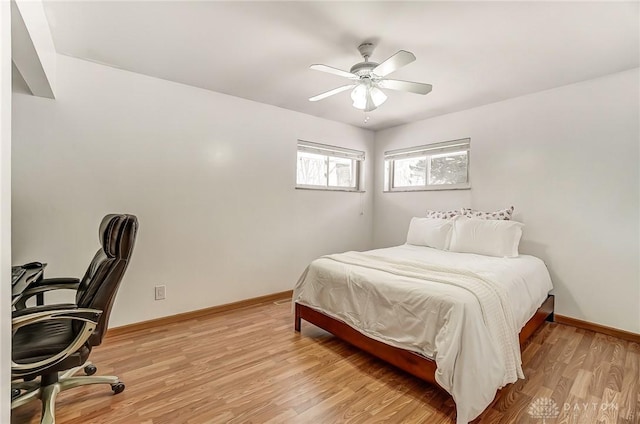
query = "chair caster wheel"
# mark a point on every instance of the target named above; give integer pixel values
(90, 369)
(15, 393)
(117, 388)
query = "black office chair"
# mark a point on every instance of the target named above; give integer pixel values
(53, 342)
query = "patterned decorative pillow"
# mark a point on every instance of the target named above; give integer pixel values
(502, 214)
(443, 214)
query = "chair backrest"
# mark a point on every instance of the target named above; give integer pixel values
(100, 283)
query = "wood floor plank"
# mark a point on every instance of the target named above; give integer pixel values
(630, 389)
(249, 366)
(608, 412)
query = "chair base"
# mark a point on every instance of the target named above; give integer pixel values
(47, 393)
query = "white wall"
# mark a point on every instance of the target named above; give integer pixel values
(211, 178)
(5, 209)
(568, 160)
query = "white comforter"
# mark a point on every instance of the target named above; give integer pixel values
(434, 302)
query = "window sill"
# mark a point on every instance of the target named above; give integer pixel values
(435, 188)
(345, 190)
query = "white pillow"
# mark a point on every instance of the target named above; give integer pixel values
(486, 237)
(430, 232)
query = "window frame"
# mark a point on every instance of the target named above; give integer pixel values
(427, 151)
(357, 158)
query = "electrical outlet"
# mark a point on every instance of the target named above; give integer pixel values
(161, 292)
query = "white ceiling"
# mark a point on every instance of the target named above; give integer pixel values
(473, 53)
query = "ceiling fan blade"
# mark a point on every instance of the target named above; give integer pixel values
(412, 87)
(394, 63)
(332, 70)
(331, 92)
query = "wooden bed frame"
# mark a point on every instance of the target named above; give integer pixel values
(411, 362)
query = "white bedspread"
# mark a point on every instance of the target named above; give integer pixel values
(435, 302)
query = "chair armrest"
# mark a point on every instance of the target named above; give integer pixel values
(28, 316)
(43, 286)
(23, 317)
(56, 282)
(42, 308)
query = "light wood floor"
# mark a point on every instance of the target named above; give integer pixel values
(249, 366)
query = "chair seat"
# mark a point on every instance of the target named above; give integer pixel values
(43, 340)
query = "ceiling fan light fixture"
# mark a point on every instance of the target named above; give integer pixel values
(359, 96)
(377, 96)
(366, 96)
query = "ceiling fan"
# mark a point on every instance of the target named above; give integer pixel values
(369, 77)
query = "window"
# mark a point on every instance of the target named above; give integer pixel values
(326, 167)
(440, 166)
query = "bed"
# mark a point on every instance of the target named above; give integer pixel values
(431, 312)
